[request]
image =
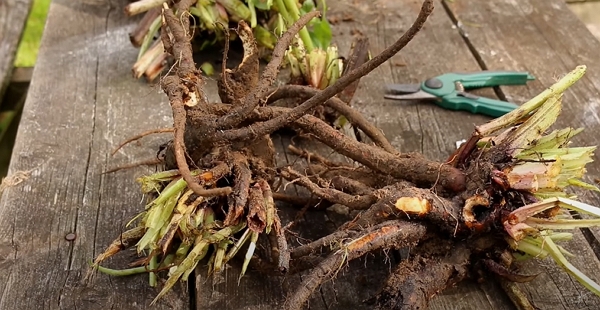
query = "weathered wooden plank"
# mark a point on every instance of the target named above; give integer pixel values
(13, 15)
(21, 75)
(360, 279)
(411, 127)
(256, 290)
(82, 102)
(546, 39)
(67, 146)
(417, 127)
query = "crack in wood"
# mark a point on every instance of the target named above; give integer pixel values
(463, 33)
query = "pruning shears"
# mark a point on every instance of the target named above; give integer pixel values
(449, 91)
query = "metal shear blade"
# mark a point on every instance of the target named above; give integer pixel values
(400, 89)
(406, 92)
(410, 96)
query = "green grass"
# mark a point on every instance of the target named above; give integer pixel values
(30, 42)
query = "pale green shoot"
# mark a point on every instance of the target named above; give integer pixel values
(524, 110)
(249, 253)
(559, 258)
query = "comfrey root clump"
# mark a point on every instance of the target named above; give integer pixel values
(503, 192)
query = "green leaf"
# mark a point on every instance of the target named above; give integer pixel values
(207, 68)
(307, 6)
(264, 5)
(264, 37)
(579, 183)
(236, 9)
(321, 33)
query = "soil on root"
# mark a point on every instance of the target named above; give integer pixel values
(402, 200)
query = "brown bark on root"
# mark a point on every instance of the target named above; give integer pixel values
(392, 234)
(416, 280)
(401, 197)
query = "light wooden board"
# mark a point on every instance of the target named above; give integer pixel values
(13, 15)
(546, 39)
(83, 102)
(411, 128)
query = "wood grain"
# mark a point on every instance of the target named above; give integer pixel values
(13, 15)
(546, 39)
(82, 102)
(410, 126)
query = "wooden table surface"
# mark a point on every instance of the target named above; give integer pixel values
(83, 101)
(13, 16)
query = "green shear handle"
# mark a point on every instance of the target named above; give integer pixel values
(445, 84)
(476, 104)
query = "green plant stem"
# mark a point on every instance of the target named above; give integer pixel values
(236, 8)
(569, 268)
(204, 15)
(252, 14)
(532, 249)
(253, 238)
(132, 271)
(524, 110)
(152, 279)
(541, 223)
(236, 247)
(142, 6)
(182, 252)
(173, 188)
(122, 272)
(283, 11)
(166, 175)
(288, 8)
(149, 36)
(220, 255)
